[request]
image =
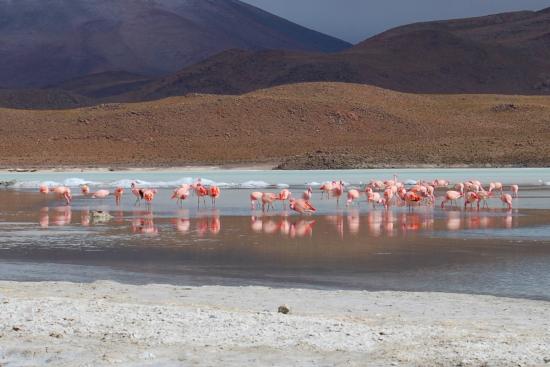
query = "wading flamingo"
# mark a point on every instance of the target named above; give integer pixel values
(506, 200)
(101, 194)
(307, 194)
(44, 189)
(471, 198)
(148, 196)
(119, 191)
(337, 191)
(373, 197)
(268, 198)
(84, 190)
(326, 188)
(284, 196)
(495, 186)
(514, 189)
(451, 196)
(302, 206)
(181, 194)
(63, 193)
(201, 192)
(411, 199)
(214, 193)
(137, 192)
(352, 196)
(255, 199)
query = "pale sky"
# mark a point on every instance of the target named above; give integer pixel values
(356, 20)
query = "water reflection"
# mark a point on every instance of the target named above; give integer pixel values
(343, 223)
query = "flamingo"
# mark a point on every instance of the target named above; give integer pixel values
(137, 192)
(388, 196)
(326, 188)
(514, 189)
(100, 194)
(181, 194)
(44, 189)
(201, 192)
(148, 196)
(352, 196)
(373, 197)
(450, 196)
(483, 196)
(471, 198)
(84, 189)
(460, 187)
(255, 198)
(63, 192)
(495, 186)
(284, 195)
(307, 194)
(214, 193)
(337, 191)
(506, 200)
(412, 198)
(268, 198)
(119, 191)
(302, 206)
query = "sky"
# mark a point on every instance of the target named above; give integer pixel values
(356, 20)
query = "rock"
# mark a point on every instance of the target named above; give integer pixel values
(100, 216)
(283, 309)
(546, 359)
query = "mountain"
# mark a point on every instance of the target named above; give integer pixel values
(503, 53)
(46, 42)
(316, 125)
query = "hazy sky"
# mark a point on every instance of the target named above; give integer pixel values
(356, 20)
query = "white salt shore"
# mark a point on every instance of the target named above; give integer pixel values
(112, 324)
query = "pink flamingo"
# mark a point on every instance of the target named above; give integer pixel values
(515, 189)
(137, 192)
(337, 191)
(302, 206)
(148, 196)
(255, 199)
(495, 186)
(284, 195)
(63, 192)
(326, 188)
(84, 189)
(101, 194)
(119, 191)
(44, 189)
(412, 198)
(201, 192)
(451, 196)
(214, 193)
(268, 198)
(373, 197)
(471, 198)
(506, 200)
(352, 196)
(483, 195)
(388, 196)
(307, 194)
(181, 194)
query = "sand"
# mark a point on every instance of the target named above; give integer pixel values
(111, 324)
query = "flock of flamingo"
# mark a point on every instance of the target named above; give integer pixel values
(378, 193)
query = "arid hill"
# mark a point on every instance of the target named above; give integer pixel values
(47, 42)
(504, 54)
(319, 125)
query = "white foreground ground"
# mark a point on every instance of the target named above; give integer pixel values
(111, 324)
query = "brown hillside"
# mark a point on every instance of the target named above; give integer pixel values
(320, 125)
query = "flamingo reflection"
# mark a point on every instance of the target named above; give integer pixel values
(143, 223)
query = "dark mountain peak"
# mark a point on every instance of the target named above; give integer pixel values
(46, 42)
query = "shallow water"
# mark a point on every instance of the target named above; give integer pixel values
(492, 251)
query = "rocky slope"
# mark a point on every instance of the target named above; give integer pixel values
(350, 124)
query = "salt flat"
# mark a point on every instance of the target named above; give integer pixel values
(112, 324)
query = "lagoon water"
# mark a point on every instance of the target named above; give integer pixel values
(492, 251)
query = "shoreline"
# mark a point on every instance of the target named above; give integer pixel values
(237, 167)
(79, 324)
